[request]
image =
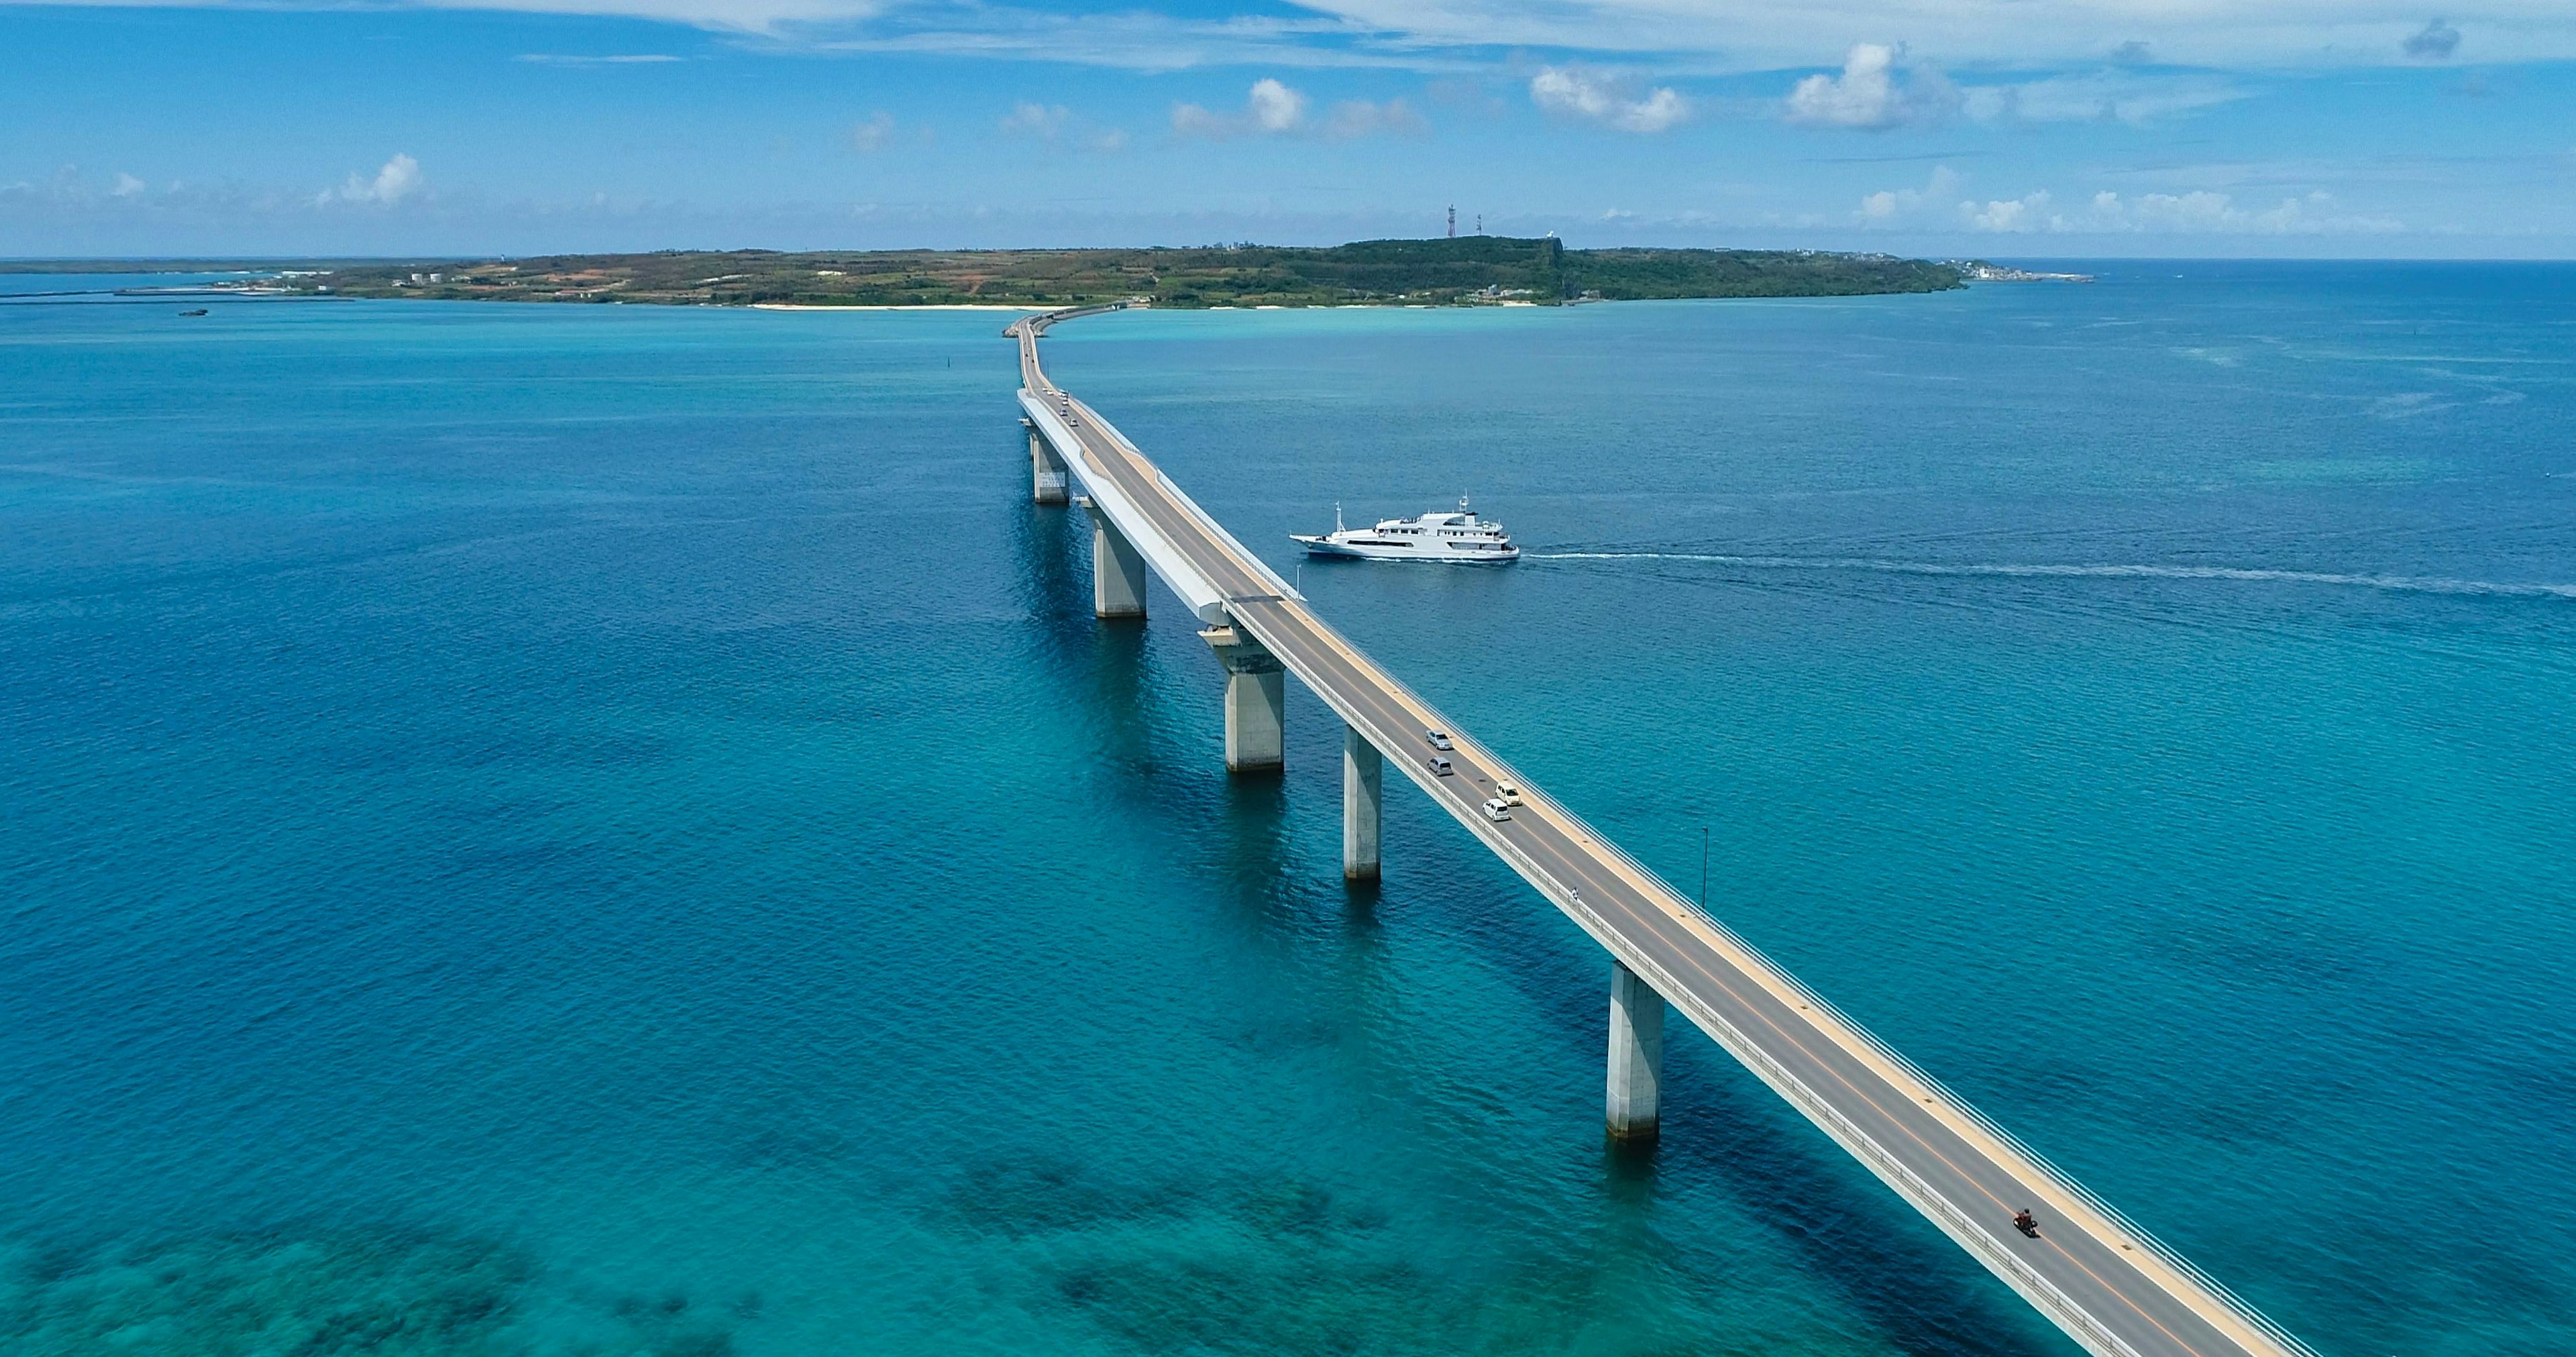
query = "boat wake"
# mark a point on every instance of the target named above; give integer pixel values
(2416, 584)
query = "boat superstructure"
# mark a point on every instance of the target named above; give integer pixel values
(1456, 536)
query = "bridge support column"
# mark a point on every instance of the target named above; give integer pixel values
(1046, 470)
(1256, 701)
(1636, 1056)
(1117, 571)
(1363, 778)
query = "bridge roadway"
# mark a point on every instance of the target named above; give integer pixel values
(2099, 1277)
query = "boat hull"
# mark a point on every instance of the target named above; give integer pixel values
(1317, 546)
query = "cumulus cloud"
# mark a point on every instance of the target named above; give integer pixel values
(2436, 42)
(1354, 118)
(1868, 94)
(1272, 109)
(1054, 124)
(1269, 110)
(872, 134)
(2201, 212)
(1042, 121)
(2312, 214)
(1889, 206)
(1940, 204)
(127, 186)
(2011, 214)
(1577, 92)
(1193, 120)
(400, 178)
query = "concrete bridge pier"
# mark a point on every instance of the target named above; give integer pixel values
(1046, 470)
(1256, 701)
(1363, 779)
(1636, 1056)
(1117, 570)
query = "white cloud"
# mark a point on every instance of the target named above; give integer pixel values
(399, 179)
(1140, 40)
(127, 186)
(1868, 95)
(1732, 35)
(1889, 207)
(1741, 35)
(1274, 107)
(2101, 96)
(1578, 92)
(2199, 212)
(872, 134)
(1042, 121)
(2011, 214)
(1940, 204)
(1055, 124)
(1193, 120)
(1354, 118)
(2207, 212)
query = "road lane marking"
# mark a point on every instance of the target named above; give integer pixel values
(1373, 690)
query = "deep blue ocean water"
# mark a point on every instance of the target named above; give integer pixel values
(601, 829)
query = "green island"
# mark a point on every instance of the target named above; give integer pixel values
(1468, 270)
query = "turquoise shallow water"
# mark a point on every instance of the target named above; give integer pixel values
(613, 830)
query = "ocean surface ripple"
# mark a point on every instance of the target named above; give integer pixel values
(613, 830)
(2107, 572)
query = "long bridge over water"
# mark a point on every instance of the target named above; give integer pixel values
(2092, 1272)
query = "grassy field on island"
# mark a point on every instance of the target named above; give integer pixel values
(1470, 270)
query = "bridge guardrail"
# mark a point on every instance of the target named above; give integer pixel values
(2058, 1177)
(1889, 1167)
(2242, 1310)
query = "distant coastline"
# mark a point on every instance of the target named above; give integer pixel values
(1979, 271)
(1454, 271)
(886, 306)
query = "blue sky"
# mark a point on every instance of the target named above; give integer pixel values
(1993, 127)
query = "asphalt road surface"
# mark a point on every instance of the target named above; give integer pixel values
(2101, 1280)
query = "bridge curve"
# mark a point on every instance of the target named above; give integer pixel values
(2099, 1277)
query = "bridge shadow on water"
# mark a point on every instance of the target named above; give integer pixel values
(1153, 716)
(1918, 1289)
(1105, 666)
(1135, 691)
(1724, 1132)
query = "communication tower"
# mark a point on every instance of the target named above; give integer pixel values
(1453, 221)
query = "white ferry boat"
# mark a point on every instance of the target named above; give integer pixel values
(1458, 537)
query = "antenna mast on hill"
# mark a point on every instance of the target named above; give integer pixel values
(1453, 221)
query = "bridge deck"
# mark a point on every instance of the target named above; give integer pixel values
(2098, 1277)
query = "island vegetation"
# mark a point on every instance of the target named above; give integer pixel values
(1469, 270)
